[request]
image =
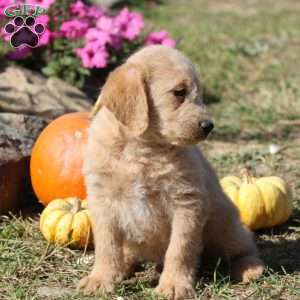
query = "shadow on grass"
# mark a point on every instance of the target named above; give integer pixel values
(282, 255)
(280, 246)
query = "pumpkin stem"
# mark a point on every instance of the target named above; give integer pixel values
(77, 206)
(96, 108)
(246, 174)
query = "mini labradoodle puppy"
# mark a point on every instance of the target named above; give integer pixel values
(151, 193)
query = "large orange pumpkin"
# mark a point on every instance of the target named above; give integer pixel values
(57, 156)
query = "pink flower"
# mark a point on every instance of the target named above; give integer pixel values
(19, 53)
(97, 36)
(78, 9)
(160, 37)
(81, 10)
(46, 36)
(95, 12)
(93, 55)
(73, 29)
(43, 19)
(100, 58)
(108, 25)
(110, 28)
(130, 24)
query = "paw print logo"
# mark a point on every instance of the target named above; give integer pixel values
(24, 31)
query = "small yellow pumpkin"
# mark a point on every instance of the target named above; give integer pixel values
(66, 221)
(262, 202)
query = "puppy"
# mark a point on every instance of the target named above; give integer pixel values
(151, 193)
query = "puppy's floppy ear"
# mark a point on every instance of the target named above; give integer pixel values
(124, 94)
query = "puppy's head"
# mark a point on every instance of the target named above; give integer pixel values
(157, 92)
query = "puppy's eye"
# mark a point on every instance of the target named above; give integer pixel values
(180, 92)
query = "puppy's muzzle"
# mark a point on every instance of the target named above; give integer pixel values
(206, 126)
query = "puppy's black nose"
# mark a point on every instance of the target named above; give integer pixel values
(207, 126)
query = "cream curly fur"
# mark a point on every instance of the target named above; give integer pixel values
(152, 195)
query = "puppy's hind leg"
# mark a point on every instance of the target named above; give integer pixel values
(241, 252)
(244, 260)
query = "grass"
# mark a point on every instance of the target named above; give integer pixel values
(247, 53)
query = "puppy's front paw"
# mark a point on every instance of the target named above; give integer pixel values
(174, 289)
(91, 284)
